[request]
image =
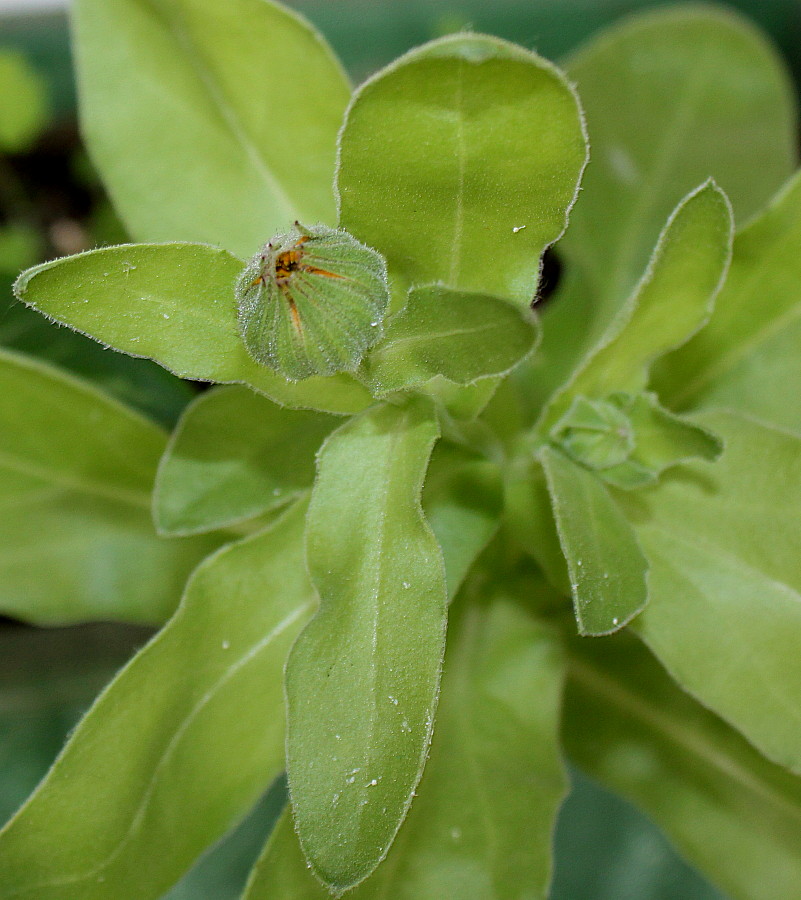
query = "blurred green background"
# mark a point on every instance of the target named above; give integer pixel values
(51, 203)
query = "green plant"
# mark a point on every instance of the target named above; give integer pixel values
(637, 450)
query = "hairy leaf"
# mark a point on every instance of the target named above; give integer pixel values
(363, 678)
(672, 301)
(136, 382)
(460, 162)
(463, 501)
(173, 303)
(461, 336)
(673, 96)
(494, 774)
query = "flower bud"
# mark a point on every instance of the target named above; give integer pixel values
(312, 302)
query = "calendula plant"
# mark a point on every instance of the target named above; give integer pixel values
(437, 542)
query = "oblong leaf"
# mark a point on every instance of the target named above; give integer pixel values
(212, 142)
(673, 300)
(362, 680)
(693, 774)
(460, 162)
(750, 345)
(725, 580)
(233, 456)
(606, 565)
(494, 774)
(76, 474)
(461, 336)
(173, 303)
(189, 735)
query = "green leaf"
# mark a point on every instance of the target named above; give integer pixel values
(672, 97)
(606, 565)
(173, 303)
(463, 501)
(461, 336)
(725, 580)
(363, 678)
(494, 775)
(234, 456)
(189, 735)
(672, 301)
(248, 96)
(751, 342)
(23, 100)
(76, 473)
(730, 811)
(460, 162)
(136, 382)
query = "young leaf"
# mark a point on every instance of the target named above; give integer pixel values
(694, 775)
(595, 433)
(249, 97)
(725, 580)
(463, 501)
(629, 439)
(494, 775)
(76, 472)
(189, 734)
(662, 440)
(673, 96)
(672, 301)
(173, 303)
(363, 678)
(234, 456)
(461, 336)
(606, 565)
(751, 342)
(460, 162)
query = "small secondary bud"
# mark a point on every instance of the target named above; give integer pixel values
(312, 302)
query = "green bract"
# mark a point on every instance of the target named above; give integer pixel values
(604, 499)
(312, 302)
